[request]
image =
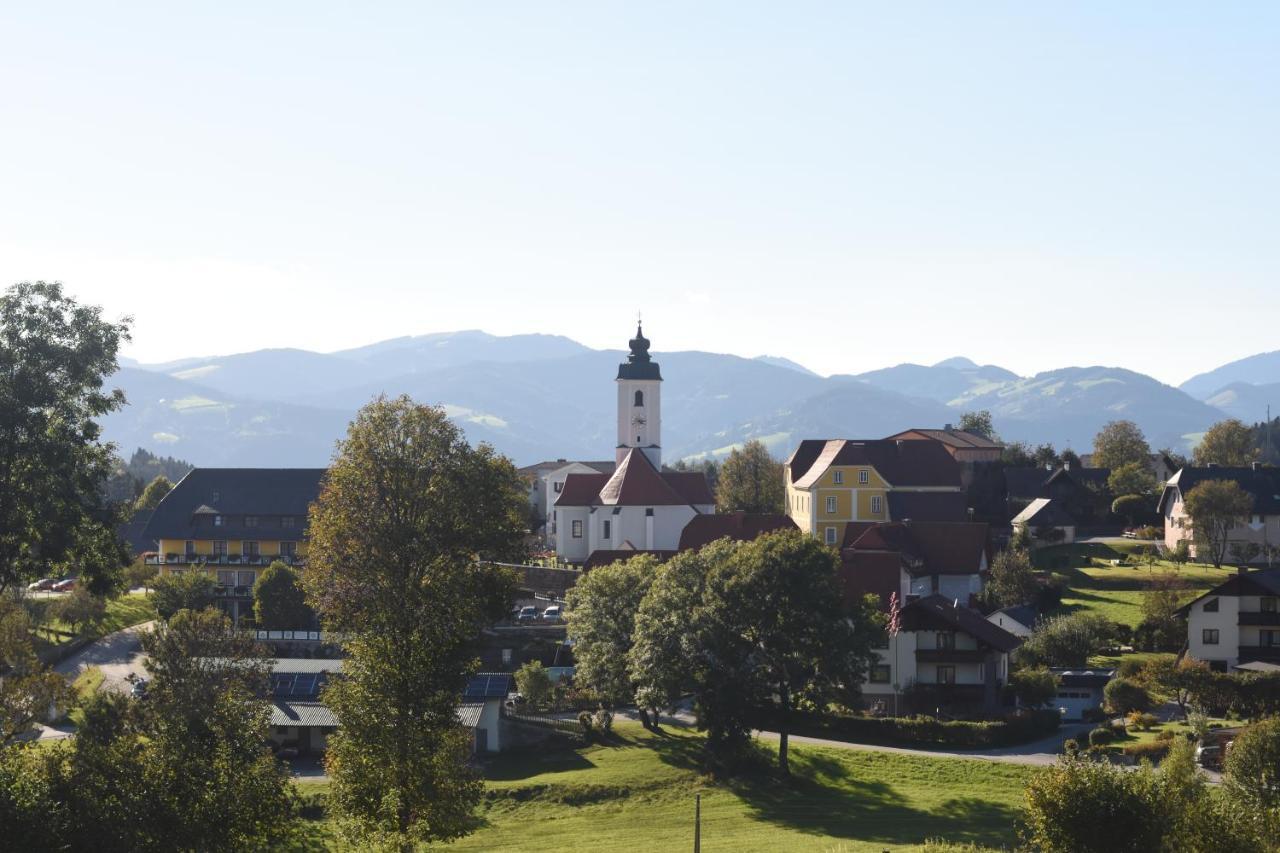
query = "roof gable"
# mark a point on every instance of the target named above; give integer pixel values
(234, 491)
(901, 463)
(739, 526)
(925, 613)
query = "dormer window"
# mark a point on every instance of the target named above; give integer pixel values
(864, 477)
(219, 521)
(250, 521)
(639, 398)
(286, 521)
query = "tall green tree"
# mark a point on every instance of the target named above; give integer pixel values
(978, 423)
(1120, 443)
(189, 590)
(1228, 443)
(278, 600)
(55, 355)
(1215, 507)
(27, 688)
(406, 518)
(1132, 478)
(1012, 579)
(601, 614)
(153, 493)
(1066, 640)
(750, 481)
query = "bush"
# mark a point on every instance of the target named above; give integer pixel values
(534, 683)
(604, 720)
(1100, 736)
(1130, 667)
(1149, 532)
(1121, 696)
(185, 591)
(1142, 721)
(1165, 736)
(1071, 746)
(1153, 751)
(586, 721)
(1033, 687)
(1093, 715)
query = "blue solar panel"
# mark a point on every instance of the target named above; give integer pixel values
(487, 685)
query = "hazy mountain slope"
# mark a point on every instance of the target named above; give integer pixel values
(779, 361)
(1067, 407)
(450, 349)
(1261, 369)
(841, 409)
(944, 382)
(269, 374)
(1247, 402)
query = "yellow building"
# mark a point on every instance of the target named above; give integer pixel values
(233, 522)
(834, 482)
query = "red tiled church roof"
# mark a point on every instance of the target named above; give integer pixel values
(739, 526)
(636, 483)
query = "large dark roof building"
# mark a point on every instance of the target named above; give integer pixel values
(237, 503)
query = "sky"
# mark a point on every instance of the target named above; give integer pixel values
(848, 185)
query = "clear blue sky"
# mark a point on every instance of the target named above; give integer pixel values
(849, 185)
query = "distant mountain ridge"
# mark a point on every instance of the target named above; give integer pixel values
(546, 396)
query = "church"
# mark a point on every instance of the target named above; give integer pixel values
(638, 507)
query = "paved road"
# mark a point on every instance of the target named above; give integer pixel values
(118, 655)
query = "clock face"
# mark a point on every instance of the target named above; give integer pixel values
(638, 421)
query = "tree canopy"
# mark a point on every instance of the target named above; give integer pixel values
(405, 515)
(278, 600)
(1216, 506)
(1227, 443)
(750, 481)
(1120, 443)
(601, 614)
(153, 493)
(55, 355)
(1012, 579)
(978, 423)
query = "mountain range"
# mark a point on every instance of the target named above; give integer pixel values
(546, 396)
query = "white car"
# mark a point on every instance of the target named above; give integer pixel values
(553, 612)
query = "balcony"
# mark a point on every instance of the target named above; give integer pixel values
(1270, 654)
(950, 655)
(1258, 617)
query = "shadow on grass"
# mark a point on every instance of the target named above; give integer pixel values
(516, 765)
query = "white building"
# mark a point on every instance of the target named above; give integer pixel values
(638, 507)
(1260, 529)
(1236, 622)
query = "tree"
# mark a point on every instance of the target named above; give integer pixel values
(1252, 767)
(1120, 443)
(1161, 600)
(709, 468)
(1066, 641)
(27, 688)
(193, 590)
(1044, 456)
(1131, 506)
(1071, 458)
(153, 493)
(54, 357)
(770, 629)
(1228, 443)
(1132, 478)
(278, 600)
(1121, 696)
(534, 683)
(601, 615)
(1215, 506)
(751, 481)
(140, 573)
(1079, 806)
(407, 518)
(79, 608)
(978, 423)
(1033, 688)
(1012, 579)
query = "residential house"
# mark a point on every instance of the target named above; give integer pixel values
(944, 656)
(1047, 522)
(1237, 622)
(233, 522)
(915, 559)
(832, 483)
(964, 446)
(738, 526)
(639, 506)
(546, 481)
(1261, 527)
(1018, 620)
(1081, 492)
(1160, 465)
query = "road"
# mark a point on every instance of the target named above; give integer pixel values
(117, 655)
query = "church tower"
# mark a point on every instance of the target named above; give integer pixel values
(640, 403)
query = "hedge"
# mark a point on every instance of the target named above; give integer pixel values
(1153, 750)
(916, 731)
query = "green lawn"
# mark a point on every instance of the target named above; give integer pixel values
(122, 612)
(638, 794)
(1124, 606)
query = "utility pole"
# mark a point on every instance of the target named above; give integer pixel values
(697, 823)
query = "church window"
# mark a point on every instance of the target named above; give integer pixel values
(637, 439)
(577, 529)
(607, 529)
(639, 398)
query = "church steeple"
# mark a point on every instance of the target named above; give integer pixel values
(639, 403)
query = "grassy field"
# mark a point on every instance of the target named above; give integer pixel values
(122, 612)
(638, 794)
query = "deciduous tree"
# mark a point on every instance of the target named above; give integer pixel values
(601, 614)
(1215, 507)
(153, 493)
(534, 683)
(1132, 478)
(1120, 443)
(55, 355)
(278, 600)
(1067, 640)
(27, 688)
(1012, 579)
(750, 481)
(406, 518)
(978, 423)
(79, 608)
(1227, 443)
(190, 590)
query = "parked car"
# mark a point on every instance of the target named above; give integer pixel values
(42, 584)
(139, 689)
(528, 613)
(552, 613)
(64, 586)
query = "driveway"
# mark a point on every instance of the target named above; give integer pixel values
(118, 655)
